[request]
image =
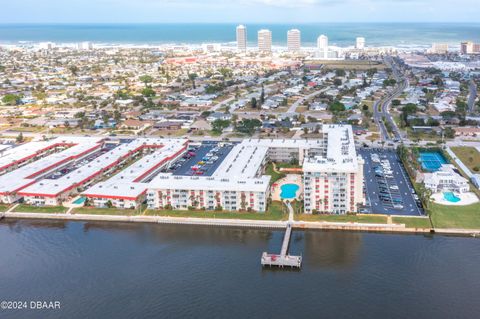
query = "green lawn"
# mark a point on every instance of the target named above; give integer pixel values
(4, 207)
(275, 176)
(469, 156)
(456, 216)
(104, 211)
(23, 208)
(342, 218)
(274, 213)
(412, 222)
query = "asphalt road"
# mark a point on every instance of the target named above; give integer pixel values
(472, 95)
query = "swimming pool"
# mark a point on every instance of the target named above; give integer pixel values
(431, 161)
(289, 191)
(449, 196)
(79, 201)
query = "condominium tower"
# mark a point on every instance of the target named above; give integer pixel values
(293, 40)
(242, 38)
(265, 40)
(360, 43)
(322, 46)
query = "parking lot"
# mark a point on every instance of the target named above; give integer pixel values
(202, 160)
(387, 187)
(64, 170)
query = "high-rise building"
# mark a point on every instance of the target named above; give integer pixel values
(242, 38)
(360, 43)
(322, 46)
(439, 48)
(293, 40)
(265, 40)
(469, 47)
(85, 45)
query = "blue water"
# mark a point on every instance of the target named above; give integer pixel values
(449, 196)
(395, 34)
(79, 200)
(289, 191)
(431, 161)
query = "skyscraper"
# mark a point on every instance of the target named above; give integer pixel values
(265, 40)
(293, 40)
(242, 38)
(322, 46)
(360, 43)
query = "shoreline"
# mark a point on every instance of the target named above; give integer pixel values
(247, 223)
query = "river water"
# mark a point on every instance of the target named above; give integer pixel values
(107, 270)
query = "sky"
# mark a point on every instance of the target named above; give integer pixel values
(238, 11)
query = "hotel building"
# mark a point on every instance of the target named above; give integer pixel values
(293, 40)
(265, 41)
(241, 38)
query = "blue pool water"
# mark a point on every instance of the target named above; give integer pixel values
(79, 200)
(431, 161)
(449, 196)
(289, 191)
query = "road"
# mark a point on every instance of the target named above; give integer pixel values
(472, 95)
(300, 101)
(381, 108)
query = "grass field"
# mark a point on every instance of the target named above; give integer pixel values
(342, 218)
(22, 208)
(412, 222)
(104, 211)
(3, 207)
(275, 212)
(275, 176)
(469, 156)
(467, 217)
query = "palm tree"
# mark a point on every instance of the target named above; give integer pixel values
(192, 77)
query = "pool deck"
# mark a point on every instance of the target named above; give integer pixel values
(465, 199)
(289, 179)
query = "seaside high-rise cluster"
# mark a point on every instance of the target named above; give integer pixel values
(294, 42)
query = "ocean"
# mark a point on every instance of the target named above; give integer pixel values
(342, 34)
(114, 270)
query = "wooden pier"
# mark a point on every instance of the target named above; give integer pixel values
(284, 259)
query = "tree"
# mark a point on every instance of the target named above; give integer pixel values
(253, 103)
(262, 96)
(19, 138)
(192, 77)
(146, 79)
(11, 99)
(73, 69)
(248, 126)
(337, 82)
(219, 125)
(449, 132)
(336, 107)
(340, 72)
(148, 92)
(396, 102)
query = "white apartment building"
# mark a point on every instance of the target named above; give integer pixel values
(140, 170)
(293, 40)
(241, 38)
(265, 40)
(333, 178)
(322, 46)
(360, 43)
(446, 180)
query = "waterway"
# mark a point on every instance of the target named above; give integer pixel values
(108, 270)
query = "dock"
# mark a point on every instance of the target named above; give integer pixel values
(284, 259)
